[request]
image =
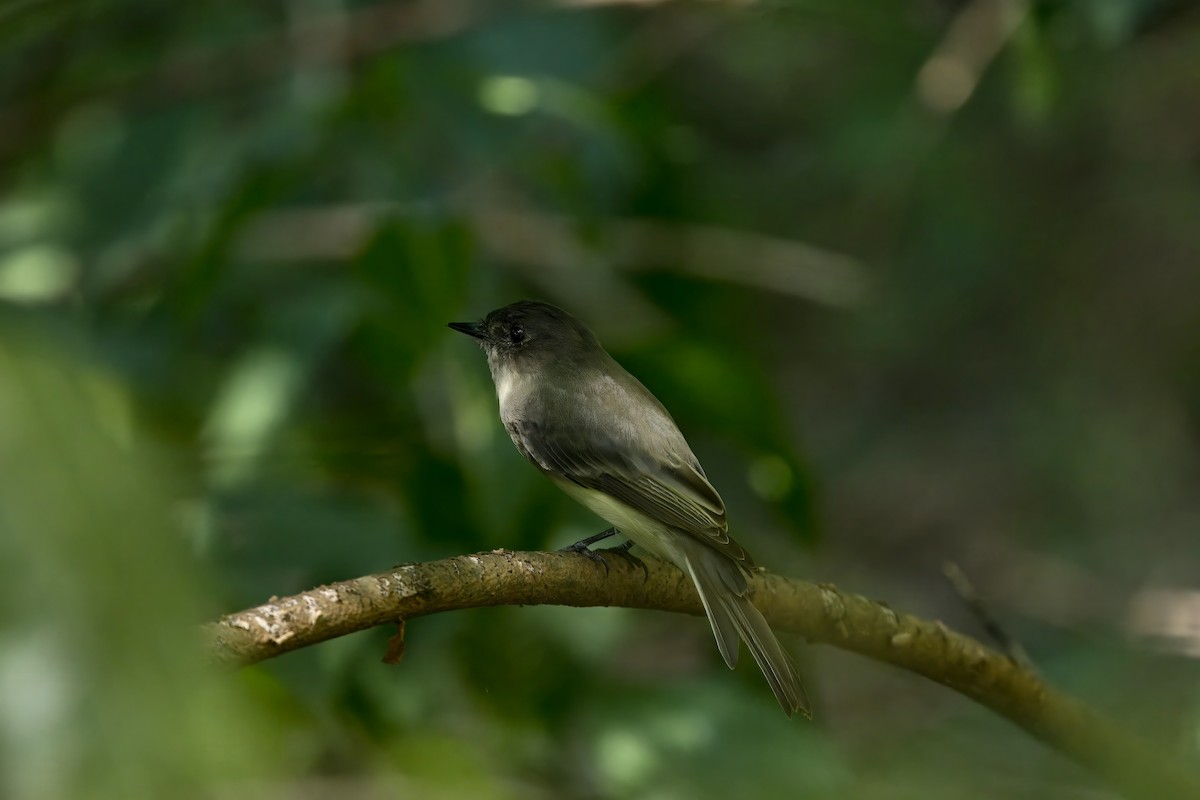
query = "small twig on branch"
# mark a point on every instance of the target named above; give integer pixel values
(820, 613)
(966, 592)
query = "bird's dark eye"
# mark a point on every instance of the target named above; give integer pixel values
(517, 334)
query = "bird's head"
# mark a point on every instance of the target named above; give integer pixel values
(529, 331)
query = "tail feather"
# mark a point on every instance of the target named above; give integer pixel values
(772, 659)
(723, 590)
(724, 624)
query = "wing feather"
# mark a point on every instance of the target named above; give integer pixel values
(672, 490)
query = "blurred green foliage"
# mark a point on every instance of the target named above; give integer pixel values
(917, 279)
(105, 694)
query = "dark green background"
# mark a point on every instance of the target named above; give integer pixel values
(919, 280)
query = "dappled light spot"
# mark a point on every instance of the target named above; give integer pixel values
(944, 84)
(248, 411)
(508, 95)
(38, 274)
(1168, 617)
(625, 757)
(770, 477)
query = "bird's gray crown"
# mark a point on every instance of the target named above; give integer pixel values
(531, 328)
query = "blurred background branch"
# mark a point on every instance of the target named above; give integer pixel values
(545, 243)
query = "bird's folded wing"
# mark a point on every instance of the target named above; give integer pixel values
(670, 490)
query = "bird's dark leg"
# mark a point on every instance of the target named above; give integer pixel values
(583, 544)
(623, 550)
(583, 547)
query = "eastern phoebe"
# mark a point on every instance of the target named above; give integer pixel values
(599, 434)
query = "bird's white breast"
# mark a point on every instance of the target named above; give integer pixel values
(511, 389)
(504, 385)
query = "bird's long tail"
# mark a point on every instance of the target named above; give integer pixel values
(723, 590)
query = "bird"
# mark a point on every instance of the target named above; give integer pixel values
(599, 434)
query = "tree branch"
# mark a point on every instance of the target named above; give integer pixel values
(820, 613)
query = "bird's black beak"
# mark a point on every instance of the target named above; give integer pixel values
(475, 329)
